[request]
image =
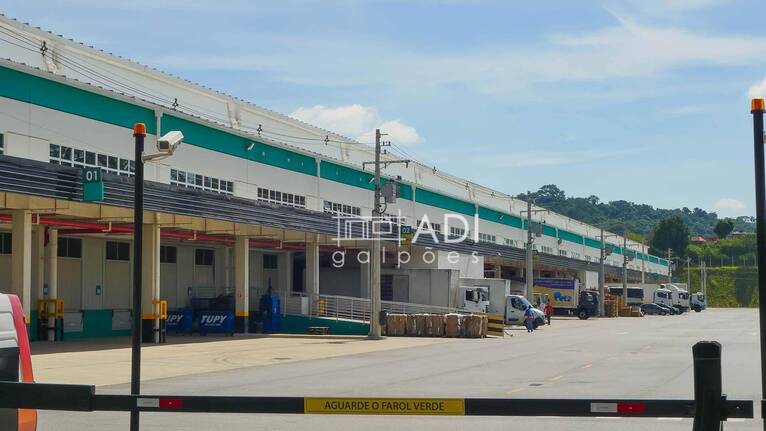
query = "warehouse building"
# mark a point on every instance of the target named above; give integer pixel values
(252, 200)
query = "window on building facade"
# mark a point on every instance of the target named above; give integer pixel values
(168, 254)
(281, 198)
(546, 249)
(456, 232)
(510, 242)
(70, 247)
(117, 250)
(204, 257)
(68, 156)
(575, 255)
(201, 182)
(270, 261)
(562, 252)
(2, 144)
(436, 227)
(6, 245)
(341, 209)
(485, 237)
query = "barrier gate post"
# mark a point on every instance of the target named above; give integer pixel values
(757, 107)
(708, 397)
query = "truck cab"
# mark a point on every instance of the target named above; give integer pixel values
(15, 361)
(473, 298)
(698, 302)
(587, 304)
(663, 296)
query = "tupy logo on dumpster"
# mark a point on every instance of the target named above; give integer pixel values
(174, 319)
(213, 320)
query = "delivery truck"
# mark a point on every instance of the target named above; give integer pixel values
(566, 296)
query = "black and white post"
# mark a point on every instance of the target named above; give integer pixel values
(139, 133)
(757, 108)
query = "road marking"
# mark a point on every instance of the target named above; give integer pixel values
(553, 379)
(513, 391)
(670, 419)
(586, 366)
(622, 333)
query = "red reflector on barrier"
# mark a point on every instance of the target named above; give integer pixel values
(630, 408)
(171, 403)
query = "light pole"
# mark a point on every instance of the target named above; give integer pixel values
(166, 145)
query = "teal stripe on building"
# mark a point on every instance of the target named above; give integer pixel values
(500, 217)
(439, 200)
(65, 98)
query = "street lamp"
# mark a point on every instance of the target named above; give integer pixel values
(166, 145)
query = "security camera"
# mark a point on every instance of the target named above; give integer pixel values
(168, 143)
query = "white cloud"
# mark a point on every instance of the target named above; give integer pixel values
(358, 122)
(757, 90)
(624, 50)
(729, 207)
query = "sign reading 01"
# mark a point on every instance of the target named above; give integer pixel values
(92, 184)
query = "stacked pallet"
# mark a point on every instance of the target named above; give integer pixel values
(396, 324)
(452, 323)
(436, 325)
(472, 326)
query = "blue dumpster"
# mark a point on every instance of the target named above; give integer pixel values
(271, 317)
(179, 321)
(217, 322)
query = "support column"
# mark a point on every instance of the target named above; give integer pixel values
(38, 263)
(150, 282)
(52, 269)
(21, 259)
(312, 272)
(242, 284)
(364, 280)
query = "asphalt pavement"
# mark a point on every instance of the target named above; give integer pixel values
(625, 358)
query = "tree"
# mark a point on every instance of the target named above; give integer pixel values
(724, 227)
(549, 193)
(670, 233)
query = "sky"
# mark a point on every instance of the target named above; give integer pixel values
(643, 100)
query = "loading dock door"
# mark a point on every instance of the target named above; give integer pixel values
(169, 286)
(117, 284)
(70, 282)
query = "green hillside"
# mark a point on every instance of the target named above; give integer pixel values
(727, 286)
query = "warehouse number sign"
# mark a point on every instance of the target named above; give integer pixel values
(92, 184)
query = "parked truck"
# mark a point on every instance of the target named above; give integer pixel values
(566, 296)
(496, 297)
(698, 302)
(474, 299)
(680, 297)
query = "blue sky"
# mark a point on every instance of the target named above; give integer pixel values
(639, 100)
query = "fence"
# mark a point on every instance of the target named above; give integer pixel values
(348, 307)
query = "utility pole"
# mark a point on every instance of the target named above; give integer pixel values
(529, 276)
(670, 267)
(602, 277)
(625, 268)
(602, 273)
(643, 264)
(757, 108)
(375, 261)
(377, 216)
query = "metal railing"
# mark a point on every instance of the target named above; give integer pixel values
(348, 307)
